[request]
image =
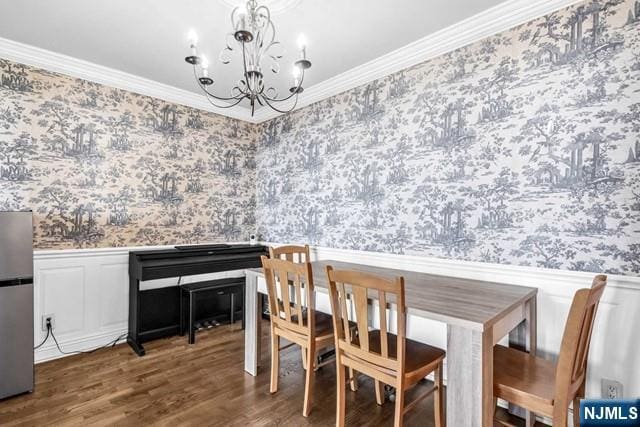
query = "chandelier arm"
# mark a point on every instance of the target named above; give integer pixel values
(222, 106)
(277, 109)
(292, 93)
(204, 89)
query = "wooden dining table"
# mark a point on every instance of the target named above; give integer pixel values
(477, 313)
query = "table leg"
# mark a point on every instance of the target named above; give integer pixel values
(252, 331)
(469, 377)
(244, 310)
(531, 334)
(524, 337)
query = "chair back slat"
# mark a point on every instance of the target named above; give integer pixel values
(358, 287)
(298, 300)
(287, 282)
(574, 351)
(342, 308)
(283, 282)
(384, 339)
(361, 308)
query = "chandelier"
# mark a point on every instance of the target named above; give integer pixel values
(254, 37)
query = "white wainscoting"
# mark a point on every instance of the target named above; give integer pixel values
(615, 346)
(87, 291)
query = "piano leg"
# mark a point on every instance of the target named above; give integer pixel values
(233, 308)
(182, 325)
(136, 346)
(134, 316)
(192, 318)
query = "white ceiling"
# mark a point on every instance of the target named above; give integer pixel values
(148, 38)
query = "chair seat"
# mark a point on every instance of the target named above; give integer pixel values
(523, 379)
(324, 323)
(418, 356)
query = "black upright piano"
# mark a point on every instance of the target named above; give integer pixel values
(155, 313)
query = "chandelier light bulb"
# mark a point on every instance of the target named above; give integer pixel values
(192, 37)
(205, 66)
(302, 44)
(296, 75)
(193, 42)
(302, 41)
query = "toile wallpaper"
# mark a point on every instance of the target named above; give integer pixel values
(523, 149)
(105, 167)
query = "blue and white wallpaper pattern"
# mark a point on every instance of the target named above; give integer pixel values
(104, 167)
(523, 148)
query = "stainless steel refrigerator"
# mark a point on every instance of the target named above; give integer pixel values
(16, 303)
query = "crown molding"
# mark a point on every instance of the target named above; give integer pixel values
(492, 21)
(499, 18)
(78, 68)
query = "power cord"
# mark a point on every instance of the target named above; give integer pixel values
(45, 338)
(50, 333)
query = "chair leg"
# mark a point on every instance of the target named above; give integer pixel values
(275, 361)
(576, 412)
(379, 386)
(399, 414)
(438, 399)
(530, 419)
(340, 393)
(309, 379)
(303, 351)
(353, 379)
(576, 406)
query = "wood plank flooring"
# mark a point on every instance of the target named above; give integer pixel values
(200, 385)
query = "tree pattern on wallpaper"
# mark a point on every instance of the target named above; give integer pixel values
(523, 148)
(105, 167)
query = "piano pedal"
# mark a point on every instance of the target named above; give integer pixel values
(198, 326)
(390, 392)
(207, 324)
(215, 323)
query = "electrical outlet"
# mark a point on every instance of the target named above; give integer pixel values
(611, 389)
(44, 321)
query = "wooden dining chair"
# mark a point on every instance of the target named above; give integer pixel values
(542, 386)
(388, 358)
(297, 254)
(293, 317)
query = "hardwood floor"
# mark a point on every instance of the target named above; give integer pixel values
(178, 384)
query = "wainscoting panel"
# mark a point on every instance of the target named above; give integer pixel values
(86, 290)
(63, 286)
(614, 346)
(87, 293)
(112, 289)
